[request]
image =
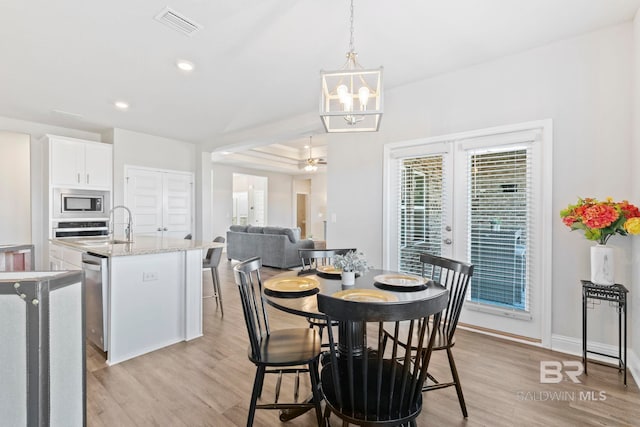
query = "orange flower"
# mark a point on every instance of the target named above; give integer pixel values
(599, 216)
(629, 210)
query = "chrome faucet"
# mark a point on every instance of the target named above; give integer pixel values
(128, 232)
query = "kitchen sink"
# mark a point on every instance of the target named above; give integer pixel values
(102, 242)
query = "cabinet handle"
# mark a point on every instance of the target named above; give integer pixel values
(78, 178)
(159, 229)
(87, 178)
(165, 229)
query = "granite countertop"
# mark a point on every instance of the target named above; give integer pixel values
(141, 245)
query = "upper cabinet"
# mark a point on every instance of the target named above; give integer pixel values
(79, 164)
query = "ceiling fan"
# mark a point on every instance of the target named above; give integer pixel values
(311, 163)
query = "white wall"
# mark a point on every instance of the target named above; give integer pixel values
(15, 190)
(139, 149)
(583, 84)
(279, 203)
(36, 131)
(634, 157)
(318, 204)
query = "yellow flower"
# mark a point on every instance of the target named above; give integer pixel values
(632, 226)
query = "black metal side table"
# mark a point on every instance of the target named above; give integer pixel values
(618, 295)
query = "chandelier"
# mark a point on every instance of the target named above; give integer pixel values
(351, 98)
(311, 164)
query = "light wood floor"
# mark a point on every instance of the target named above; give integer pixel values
(208, 381)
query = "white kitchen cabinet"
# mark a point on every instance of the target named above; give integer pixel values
(160, 201)
(76, 163)
(64, 258)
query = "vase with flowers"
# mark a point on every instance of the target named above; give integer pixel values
(350, 263)
(599, 220)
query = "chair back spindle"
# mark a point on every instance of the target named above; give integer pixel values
(455, 276)
(248, 278)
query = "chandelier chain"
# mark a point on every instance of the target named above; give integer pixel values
(351, 23)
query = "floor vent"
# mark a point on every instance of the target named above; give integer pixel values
(178, 22)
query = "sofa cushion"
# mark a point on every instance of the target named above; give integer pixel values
(238, 228)
(255, 230)
(273, 230)
(293, 234)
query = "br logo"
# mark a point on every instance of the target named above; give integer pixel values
(553, 372)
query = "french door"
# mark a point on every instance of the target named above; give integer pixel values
(475, 197)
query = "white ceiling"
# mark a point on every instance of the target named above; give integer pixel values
(257, 61)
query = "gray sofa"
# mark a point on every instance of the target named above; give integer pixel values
(277, 246)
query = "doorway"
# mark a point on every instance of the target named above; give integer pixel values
(249, 199)
(301, 214)
(476, 197)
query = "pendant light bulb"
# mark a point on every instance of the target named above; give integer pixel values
(363, 94)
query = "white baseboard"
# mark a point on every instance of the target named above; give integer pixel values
(573, 346)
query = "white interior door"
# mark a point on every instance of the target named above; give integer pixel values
(161, 202)
(177, 198)
(145, 199)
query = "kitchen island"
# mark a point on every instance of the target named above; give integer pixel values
(153, 296)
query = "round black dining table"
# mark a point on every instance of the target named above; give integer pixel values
(305, 303)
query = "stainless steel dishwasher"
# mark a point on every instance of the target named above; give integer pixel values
(96, 271)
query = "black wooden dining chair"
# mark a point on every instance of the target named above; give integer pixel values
(278, 352)
(362, 383)
(211, 261)
(311, 259)
(455, 276)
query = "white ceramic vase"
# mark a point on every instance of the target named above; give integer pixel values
(602, 265)
(348, 278)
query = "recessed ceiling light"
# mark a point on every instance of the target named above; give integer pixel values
(185, 65)
(225, 153)
(121, 105)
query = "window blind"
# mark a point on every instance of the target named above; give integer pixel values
(422, 182)
(499, 222)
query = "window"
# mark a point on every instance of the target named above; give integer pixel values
(498, 216)
(420, 213)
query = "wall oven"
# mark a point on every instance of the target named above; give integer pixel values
(72, 203)
(63, 229)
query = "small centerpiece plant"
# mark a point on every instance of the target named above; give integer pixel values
(599, 220)
(351, 261)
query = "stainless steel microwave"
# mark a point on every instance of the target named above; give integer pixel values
(72, 203)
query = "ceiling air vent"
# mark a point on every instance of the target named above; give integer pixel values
(178, 22)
